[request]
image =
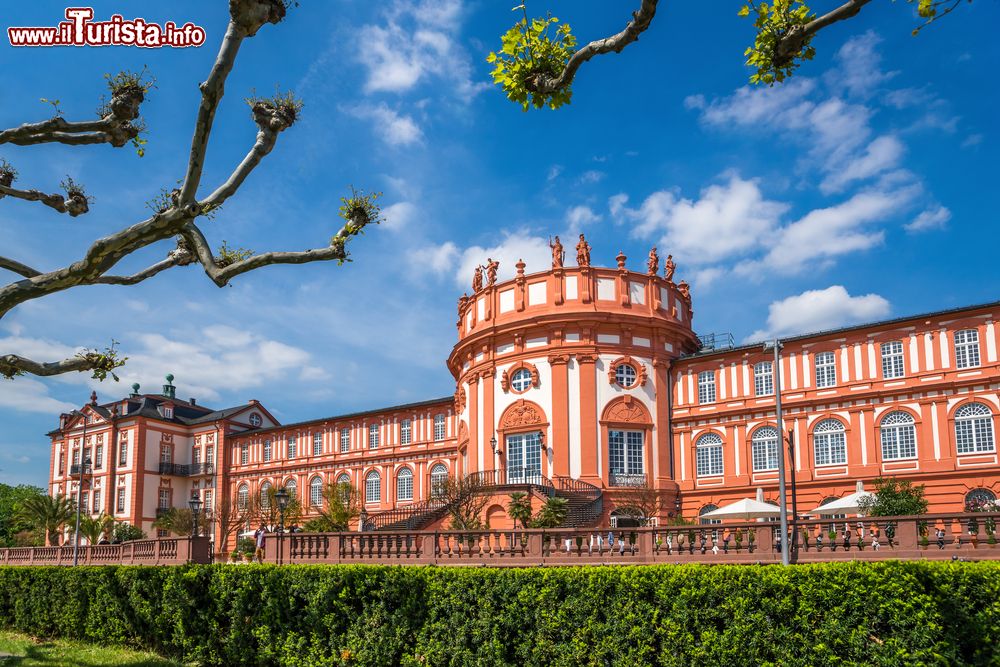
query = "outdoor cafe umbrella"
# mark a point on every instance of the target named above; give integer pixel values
(744, 509)
(846, 505)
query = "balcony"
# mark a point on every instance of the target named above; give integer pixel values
(187, 470)
(76, 469)
(627, 481)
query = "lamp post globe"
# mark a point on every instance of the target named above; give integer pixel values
(282, 497)
(195, 504)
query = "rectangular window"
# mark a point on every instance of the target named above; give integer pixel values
(123, 453)
(97, 501)
(196, 455)
(709, 460)
(293, 447)
(625, 457)
(826, 370)
(210, 454)
(317, 444)
(966, 348)
(405, 432)
(76, 457)
(267, 451)
(244, 454)
(99, 457)
(120, 507)
(763, 379)
(62, 462)
(706, 387)
(163, 499)
(166, 454)
(373, 432)
(345, 440)
(208, 500)
(439, 427)
(892, 360)
(84, 501)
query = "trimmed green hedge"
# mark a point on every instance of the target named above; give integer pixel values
(882, 613)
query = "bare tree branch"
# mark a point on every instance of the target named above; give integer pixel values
(641, 19)
(793, 42)
(18, 268)
(12, 364)
(175, 259)
(266, 139)
(76, 204)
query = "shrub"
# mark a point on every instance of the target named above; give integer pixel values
(855, 613)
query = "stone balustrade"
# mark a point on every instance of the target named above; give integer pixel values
(165, 551)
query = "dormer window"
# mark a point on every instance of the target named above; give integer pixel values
(168, 412)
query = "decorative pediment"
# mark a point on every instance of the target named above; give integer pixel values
(522, 413)
(626, 410)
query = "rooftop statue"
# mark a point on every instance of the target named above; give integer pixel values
(583, 252)
(669, 267)
(477, 280)
(491, 271)
(557, 254)
(653, 264)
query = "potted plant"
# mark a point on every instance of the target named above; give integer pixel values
(805, 538)
(833, 539)
(990, 525)
(691, 541)
(738, 538)
(751, 538)
(680, 542)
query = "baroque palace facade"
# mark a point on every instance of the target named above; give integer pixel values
(588, 383)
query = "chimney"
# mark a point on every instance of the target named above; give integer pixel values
(169, 390)
(192, 401)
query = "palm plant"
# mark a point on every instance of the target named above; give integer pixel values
(519, 508)
(48, 513)
(180, 521)
(552, 514)
(93, 528)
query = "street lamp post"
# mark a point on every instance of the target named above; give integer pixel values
(496, 451)
(782, 495)
(195, 504)
(84, 470)
(282, 496)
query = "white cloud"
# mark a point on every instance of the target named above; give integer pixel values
(819, 310)
(616, 204)
(590, 177)
(972, 140)
(399, 215)
(436, 259)
(858, 72)
(448, 258)
(26, 394)
(882, 154)
(578, 216)
(554, 172)
(419, 40)
(393, 128)
(932, 218)
(729, 219)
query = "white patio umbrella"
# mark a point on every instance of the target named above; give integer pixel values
(846, 505)
(744, 509)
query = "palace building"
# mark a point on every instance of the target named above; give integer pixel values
(587, 383)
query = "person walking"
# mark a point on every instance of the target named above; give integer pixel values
(259, 541)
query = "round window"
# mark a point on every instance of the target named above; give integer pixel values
(521, 380)
(255, 419)
(625, 375)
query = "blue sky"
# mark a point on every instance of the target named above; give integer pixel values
(862, 189)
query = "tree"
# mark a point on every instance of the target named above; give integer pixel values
(180, 522)
(894, 497)
(94, 528)
(228, 516)
(176, 211)
(126, 532)
(642, 502)
(552, 514)
(342, 504)
(519, 508)
(48, 513)
(264, 509)
(465, 499)
(536, 69)
(11, 522)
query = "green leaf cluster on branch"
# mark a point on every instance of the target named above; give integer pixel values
(775, 23)
(528, 53)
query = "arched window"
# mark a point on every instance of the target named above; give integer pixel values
(316, 491)
(265, 500)
(832, 526)
(293, 489)
(521, 380)
(829, 443)
(404, 484)
(980, 500)
(705, 510)
(344, 478)
(439, 475)
(243, 496)
(764, 448)
(974, 429)
(373, 487)
(899, 438)
(709, 455)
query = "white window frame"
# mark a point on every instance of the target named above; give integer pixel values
(706, 387)
(763, 378)
(404, 485)
(120, 500)
(268, 450)
(345, 439)
(317, 444)
(626, 452)
(520, 381)
(764, 450)
(974, 429)
(439, 474)
(405, 432)
(440, 428)
(626, 376)
(244, 454)
(898, 435)
(829, 443)
(293, 446)
(316, 491)
(373, 436)
(892, 360)
(243, 497)
(826, 369)
(710, 456)
(373, 488)
(967, 348)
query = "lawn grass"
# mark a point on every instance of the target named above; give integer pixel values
(24, 651)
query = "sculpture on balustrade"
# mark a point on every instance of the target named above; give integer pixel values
(477, 280)
(620, 258)
(462, 302)
(685, 290)
(492, 266)
(653, 263)
(669, 267)
(557, 253)
(583, 252)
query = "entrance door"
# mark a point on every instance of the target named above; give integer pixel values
(524, 458)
